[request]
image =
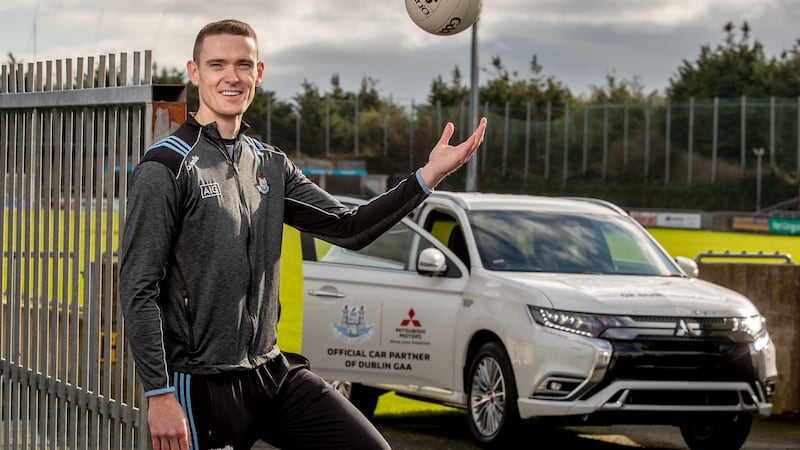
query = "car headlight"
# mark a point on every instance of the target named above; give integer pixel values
(591, 325)
(753, 325)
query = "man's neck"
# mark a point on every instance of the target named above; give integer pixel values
(228, 127)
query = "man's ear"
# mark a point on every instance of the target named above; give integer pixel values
(192, 70)
(260, 69)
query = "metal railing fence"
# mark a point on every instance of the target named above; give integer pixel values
(66, 129)
(685, 141)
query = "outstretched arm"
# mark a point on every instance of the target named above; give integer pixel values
(446, 158)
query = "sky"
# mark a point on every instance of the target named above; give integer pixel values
(578, 42)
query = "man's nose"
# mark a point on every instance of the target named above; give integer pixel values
(230, 74)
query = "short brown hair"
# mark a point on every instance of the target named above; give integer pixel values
(228, 26)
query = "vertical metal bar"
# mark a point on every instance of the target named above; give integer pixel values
(34, 252)
(14, 302)
(585, 162)
(14, 225)
(327, 126)
(625, 138)
(714, 138)
(148, 67)
(565, 169)
(411, 137)
(89, 329)
(26, 248)
(690, 146)
(64, 256)
(46, 273)
(743, 149)
(506, 132)
(797, 130)
(136, 78)
(772, 132)
(114, 172)
(647, 114)
(462, 113)
(45, 209)
(75, 420)
(385, 131)
(56, 326)
(98, 434)
(548, 123)
(107, 171)
(5, 208)
(119, 327)
(124, 390)
(439, 116)
(123, 69)
(604, 170)
(667, 138)
(297, 132)
(71, 433)
(112, 70)
(355, 125)
(526, 157)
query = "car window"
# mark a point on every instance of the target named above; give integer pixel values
(528, 241)
(396, 249)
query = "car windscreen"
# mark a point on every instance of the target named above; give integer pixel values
(527, 241)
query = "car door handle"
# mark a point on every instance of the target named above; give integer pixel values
(325, 293)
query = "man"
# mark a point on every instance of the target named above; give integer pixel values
(200, 260)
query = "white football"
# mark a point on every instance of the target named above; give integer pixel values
(444, 17)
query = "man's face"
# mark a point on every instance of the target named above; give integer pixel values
(226, 74)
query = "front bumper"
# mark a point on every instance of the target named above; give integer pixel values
(651, 377)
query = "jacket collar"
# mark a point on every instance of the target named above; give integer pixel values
(211, 129)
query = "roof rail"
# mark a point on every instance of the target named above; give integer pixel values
(743, 254)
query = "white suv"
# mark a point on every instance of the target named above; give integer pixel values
(517, 307)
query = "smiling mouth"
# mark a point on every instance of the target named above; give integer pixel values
(230, 93)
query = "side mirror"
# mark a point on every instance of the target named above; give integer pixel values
(688, 265)
(431, 262)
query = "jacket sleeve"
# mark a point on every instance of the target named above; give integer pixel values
(150, 227)
(309, 208)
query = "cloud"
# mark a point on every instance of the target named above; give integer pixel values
(576, 41)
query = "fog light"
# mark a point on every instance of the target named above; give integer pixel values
(554, 386)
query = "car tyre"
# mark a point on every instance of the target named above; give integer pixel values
(717, 432)
(364, 398)
(492, 396)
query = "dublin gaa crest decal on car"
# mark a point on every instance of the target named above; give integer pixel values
(352, 325)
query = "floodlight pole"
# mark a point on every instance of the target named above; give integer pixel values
(472, 164)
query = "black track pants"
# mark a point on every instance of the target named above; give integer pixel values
(282, 403)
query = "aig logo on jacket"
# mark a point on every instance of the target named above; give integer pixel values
(210, 190)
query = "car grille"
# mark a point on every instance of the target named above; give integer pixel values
(654, 350)
(681, 360)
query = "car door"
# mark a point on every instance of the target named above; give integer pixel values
(370, 317)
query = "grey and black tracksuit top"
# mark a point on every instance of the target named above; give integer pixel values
(201, 247)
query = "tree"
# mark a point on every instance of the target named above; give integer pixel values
(620, 91)
(450, 94)
(736, 67)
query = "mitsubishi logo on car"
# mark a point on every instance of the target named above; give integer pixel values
(683, 329)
